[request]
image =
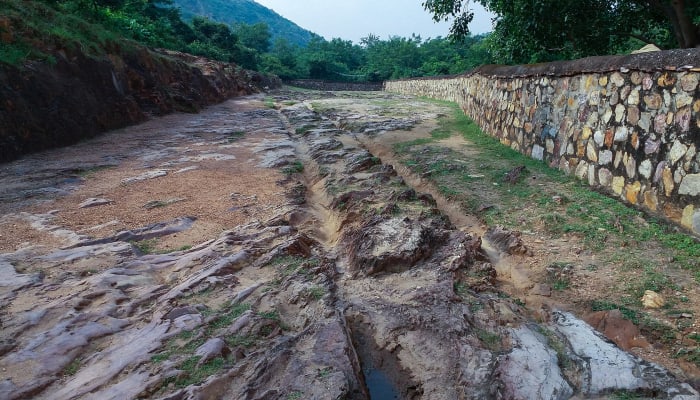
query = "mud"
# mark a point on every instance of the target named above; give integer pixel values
(298, 262)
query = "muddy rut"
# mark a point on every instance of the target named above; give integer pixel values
(255, 253)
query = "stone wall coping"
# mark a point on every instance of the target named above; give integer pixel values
(668, 60)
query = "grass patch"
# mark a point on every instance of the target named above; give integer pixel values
(546, 200)
(317, 292)
(147, 246)
(194, 374)
(73, 367)
(492, 341)
(294, 168)
(235, 136)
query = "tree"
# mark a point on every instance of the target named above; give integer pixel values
(544, 30)
(255, 36)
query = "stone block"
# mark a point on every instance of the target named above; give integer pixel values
(667, 179)
(677, 152)
(651, 200)
(582, 170)
(690, 185)
(632, 192)
(618, 184)
(687, 218)
(689, 82)
(653, 101)
(605, 177)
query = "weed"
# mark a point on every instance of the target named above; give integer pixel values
(689, 354)
(295, 168)
(460, 289)
(624, 395)
(492, 341)
(628, 313)
(226, 319)
(304, 129)
(194, 374)
(317, 292)
(72, 368)
(657, 330)
(556, 344)
(295, 395)
(273, 315)
(184, 247)
(239, 340)
(235, 136)
(558, 275)
(269, 102)
(147, 246)
(324, 372)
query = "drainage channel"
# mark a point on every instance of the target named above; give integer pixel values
(327, 220)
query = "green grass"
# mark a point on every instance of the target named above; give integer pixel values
(294, 168)
(227, 315)
(147, 246)
(317, 292)
(64, 27)
(492, 341)
(194, 374)
(235, 136)
(474, 179)
(73, 367)
(269, 102)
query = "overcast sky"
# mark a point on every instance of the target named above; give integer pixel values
(355, 19)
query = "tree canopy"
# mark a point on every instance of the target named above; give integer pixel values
(545, 30)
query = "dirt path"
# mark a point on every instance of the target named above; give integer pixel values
(311, 251)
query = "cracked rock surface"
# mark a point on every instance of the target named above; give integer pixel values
(296, 264)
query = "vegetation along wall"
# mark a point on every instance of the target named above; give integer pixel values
(628, 124)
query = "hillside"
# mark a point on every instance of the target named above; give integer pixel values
(245, 11)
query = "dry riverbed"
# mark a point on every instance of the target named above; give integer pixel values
(334, 246)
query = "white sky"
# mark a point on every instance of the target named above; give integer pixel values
(355, 19)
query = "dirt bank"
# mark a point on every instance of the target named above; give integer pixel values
(46, 105)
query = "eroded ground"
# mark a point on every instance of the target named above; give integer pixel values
(337, 246)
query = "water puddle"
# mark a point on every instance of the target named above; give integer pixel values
(379, 385)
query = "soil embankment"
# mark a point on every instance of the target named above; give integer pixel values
(46, 105)
(255, 253)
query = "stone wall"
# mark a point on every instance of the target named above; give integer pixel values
(627, 124)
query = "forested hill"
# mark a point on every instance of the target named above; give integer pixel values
(248, 12)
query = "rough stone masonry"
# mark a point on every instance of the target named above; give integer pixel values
(627, 124)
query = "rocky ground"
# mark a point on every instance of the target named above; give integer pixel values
(304, 251)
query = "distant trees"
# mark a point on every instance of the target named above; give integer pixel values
(544, 30)
(155, 23)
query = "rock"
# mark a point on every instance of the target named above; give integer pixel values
(606, 368)
(531, 370)
(506, 241)
(240, 322)
(514, 174)
(617, 328)
(210, 350)
(145, 176)
(94, 202)
(646, 49)
(541, 289)
(690, 185)
(652, 300)
(162, 203)
(180, 311)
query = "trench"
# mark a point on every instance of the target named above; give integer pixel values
(380, 373)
